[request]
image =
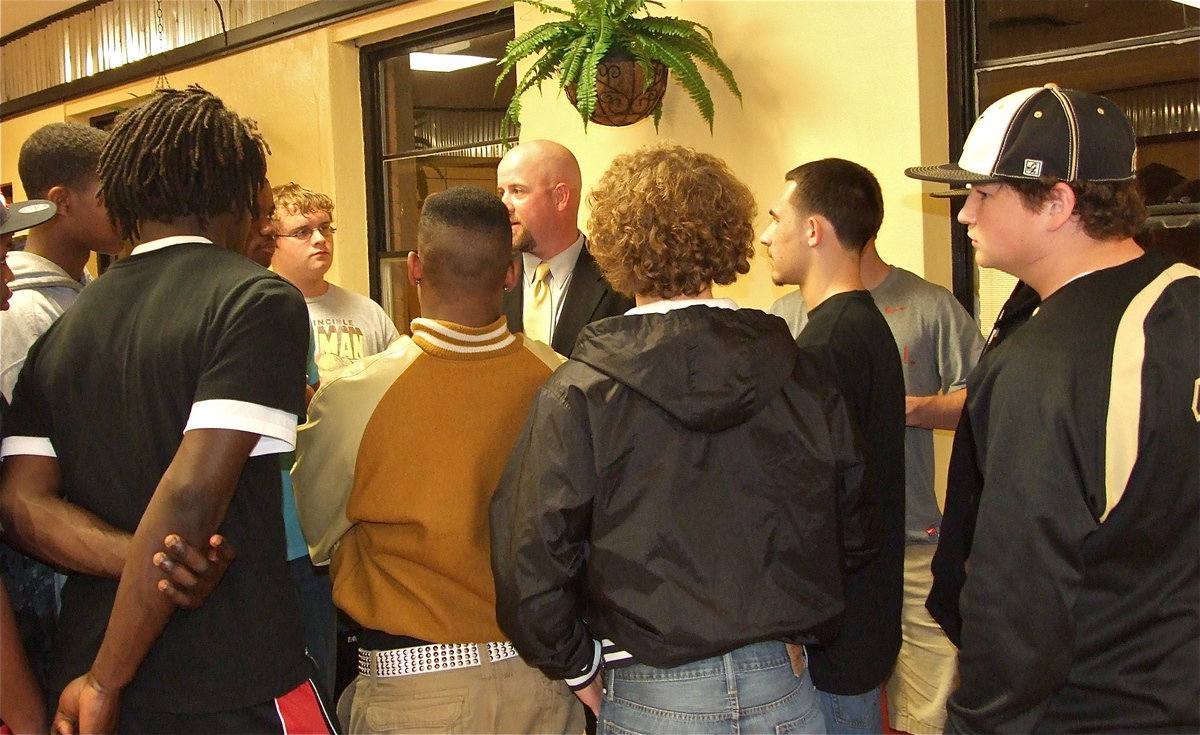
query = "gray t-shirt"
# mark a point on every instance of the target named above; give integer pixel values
(939, 344)
(347, 327)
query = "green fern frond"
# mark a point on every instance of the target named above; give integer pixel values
(538, 72)
(573, 62)
(703, 51)
(544, 37)
(621, 10)
(686, 73)
(585, 90)
(511, 117)
(647, 67)
(539, 38)
(670, 26)
(547, 8)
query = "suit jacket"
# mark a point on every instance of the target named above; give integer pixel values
(589, 298)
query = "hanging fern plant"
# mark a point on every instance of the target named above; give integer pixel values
(597, 30)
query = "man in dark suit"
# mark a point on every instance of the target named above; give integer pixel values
(560, 288)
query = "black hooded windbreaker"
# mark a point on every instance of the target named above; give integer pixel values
(687, 484)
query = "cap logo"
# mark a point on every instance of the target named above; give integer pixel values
(32, 208)
(1033, 167)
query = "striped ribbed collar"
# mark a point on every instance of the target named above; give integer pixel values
(447, 339)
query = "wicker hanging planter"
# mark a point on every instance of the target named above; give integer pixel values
(622, 95)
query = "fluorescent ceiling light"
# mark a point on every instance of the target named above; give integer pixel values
(1193, 3)
(420, 61)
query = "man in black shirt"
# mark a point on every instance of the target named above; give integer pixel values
(1081, 604)
(828, 212)
(157, 406)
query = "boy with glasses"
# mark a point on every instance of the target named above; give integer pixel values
(346, 326)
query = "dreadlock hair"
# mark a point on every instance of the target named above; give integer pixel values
(182, 153)
(59, 154)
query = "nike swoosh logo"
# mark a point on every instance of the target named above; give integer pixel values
(893, 309)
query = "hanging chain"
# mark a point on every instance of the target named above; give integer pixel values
(161, 82)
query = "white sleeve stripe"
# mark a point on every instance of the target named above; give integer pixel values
(587, 676)
(277, 428)
(39, 446)
(1125, 389)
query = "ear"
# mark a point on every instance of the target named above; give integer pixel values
(815, 230)
(562, 196)
(62, 196)
(510, 275)
(415, 270)
(1059, 207)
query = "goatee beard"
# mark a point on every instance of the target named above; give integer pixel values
(524, 242)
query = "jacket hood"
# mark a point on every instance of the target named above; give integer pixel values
(34, 271)
(709, 368)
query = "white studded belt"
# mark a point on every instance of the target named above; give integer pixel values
(434, 657)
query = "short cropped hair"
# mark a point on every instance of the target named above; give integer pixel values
(60, 154)
(464, 238)
(842, 192)
(181, 153)
(670, 221)
(1108, 210)
(291, 198)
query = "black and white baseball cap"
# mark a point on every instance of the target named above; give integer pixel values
(1043, 132)
(23, 215)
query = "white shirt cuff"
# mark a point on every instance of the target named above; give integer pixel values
(39, 446)
(276, 428)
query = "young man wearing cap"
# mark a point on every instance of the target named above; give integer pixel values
(1082, 602)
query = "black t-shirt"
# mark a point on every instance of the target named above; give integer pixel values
(1082, 604)
(186, 335)
(853, 341)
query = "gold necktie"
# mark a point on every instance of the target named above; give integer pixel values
(538, 316)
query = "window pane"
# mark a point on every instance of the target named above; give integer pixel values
(1008, 28)
(407, 182)
(438, 124)
(432, 109)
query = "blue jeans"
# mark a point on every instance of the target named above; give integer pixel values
(854, 714)
(320, 620)
(750, 690)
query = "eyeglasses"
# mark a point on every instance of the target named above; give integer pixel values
(307, 233)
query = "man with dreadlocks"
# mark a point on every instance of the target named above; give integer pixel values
(157, 405)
